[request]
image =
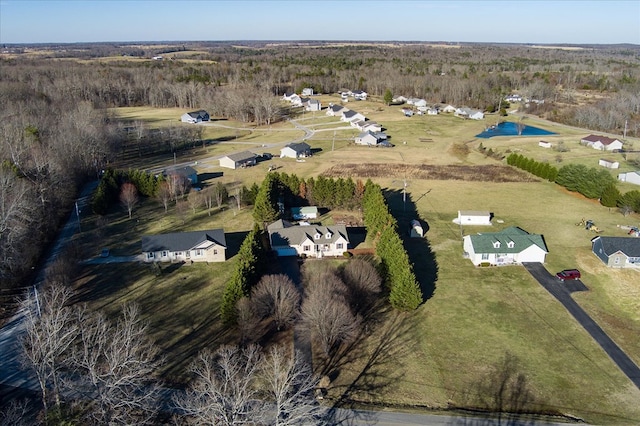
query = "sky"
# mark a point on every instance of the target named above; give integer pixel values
(505, 21)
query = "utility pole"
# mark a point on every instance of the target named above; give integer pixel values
(333, 144)
(35, 292)
(624, 136)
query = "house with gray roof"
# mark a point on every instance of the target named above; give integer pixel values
(370, 138)
(295, 150)
(187, 173)
(334, 110)
(617, 252)
(508, 247)
(195, 116)
(351, 115)
(195, 246)
(307, 240)
(238, 160)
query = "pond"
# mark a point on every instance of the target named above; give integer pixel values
(509, 128)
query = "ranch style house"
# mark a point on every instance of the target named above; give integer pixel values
(195, 246)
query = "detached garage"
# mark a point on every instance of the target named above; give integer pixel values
(468, 217)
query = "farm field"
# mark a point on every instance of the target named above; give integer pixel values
(478, 323)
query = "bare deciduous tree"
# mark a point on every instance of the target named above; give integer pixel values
(195, 200)
(326, 313)
(237, 196)
(129, 196)
(50, 331)
(113, 367)
(276, 297)
(164, 194)
(223, 390)
(289, 386)
(220, 193)
(248, 321)
(364, 283)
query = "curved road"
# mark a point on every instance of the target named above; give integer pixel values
(562, 292)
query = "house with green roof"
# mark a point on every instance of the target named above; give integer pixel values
(195, 246)
(507, 247)
(307, 240)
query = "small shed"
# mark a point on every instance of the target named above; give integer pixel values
(238, 160)
(609, 163)
(468, 217)
(544, 144)
(416, 230)
(304, 213)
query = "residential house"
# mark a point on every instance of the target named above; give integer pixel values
(408, 112)
(349, 115)
(187, 173)
(371, 126)
(399, 100)
(472, 114)
(609, 163)
(288, 96)
(310, 240)
(195, 116)
(358, 124)
(508, 247)
(296, 101)
(631, 177)
(196, 246)
(448, 109)
(238, 160)
(412, 101)
(296, 150)
(420, 103)
(432, 111)
(304, 213)
(334, 110)
(602, 143)
(312, 105)
(359, 95)
(617, 252)
(513, 98)
(471, 217)
(370, 138)
(307, 91)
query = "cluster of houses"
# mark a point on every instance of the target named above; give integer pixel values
(358, 95)
(420, 107)
(371, 133)
(309, 104)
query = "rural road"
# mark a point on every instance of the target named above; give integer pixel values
(562, 292)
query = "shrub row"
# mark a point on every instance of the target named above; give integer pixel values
(542, 170)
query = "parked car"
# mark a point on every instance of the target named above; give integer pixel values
(568, 274)
(267, 155)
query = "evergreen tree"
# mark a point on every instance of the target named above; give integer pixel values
(610, 196)
(388, 97)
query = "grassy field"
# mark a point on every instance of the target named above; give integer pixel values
(478, 323)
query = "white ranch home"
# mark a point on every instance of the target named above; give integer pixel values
(308, 240)
(195, 116)
(295, 150)
(196, 246)
(631, 177)
(507, 247)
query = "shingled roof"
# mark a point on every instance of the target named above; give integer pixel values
(296, 235)
(509, 240)
(182, 241)
(630, 246)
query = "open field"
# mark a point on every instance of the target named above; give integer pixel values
(443, 354)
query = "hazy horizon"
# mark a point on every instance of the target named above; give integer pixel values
(472, 21)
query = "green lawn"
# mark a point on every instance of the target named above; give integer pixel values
(443, 354)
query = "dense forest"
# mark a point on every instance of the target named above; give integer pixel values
(55, 132)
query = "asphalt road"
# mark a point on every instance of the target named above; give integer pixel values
(562, 292)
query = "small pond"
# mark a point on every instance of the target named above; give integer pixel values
(509, 128)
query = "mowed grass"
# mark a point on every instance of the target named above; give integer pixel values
(443, 354)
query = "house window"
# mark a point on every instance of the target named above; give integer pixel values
(339, 246)
(316, 237)
(306, 248)
(485, 256)
(215, 251)
(616, 260)
(179, 253)
(510, 244)
(188, 254)
(326, 247)
(164, 254)
(198, 252)
(496, 244)
(328, 236)
(150, 255)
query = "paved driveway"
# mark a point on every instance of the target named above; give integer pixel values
(562, 292)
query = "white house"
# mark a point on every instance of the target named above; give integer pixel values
(472, 114)
(507, 247)
(420, 103)
(372, 126)
(432, 111)
(312, 105)
(238, 160)
(195, 116)
(295, 150)
(544, 144)
(448, 109)
(370, 138)
(359, 95)
(470, 217)
(288, 96)
(631, 177)
(196, 246)
(602, 143)
(608, 163)
(307, 91)
(349, 115)
(310, 241)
